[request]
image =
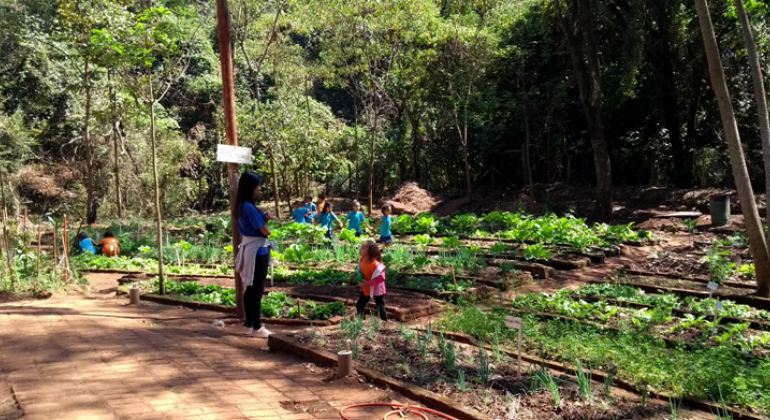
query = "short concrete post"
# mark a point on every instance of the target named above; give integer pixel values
(134, 296)
(345, 363)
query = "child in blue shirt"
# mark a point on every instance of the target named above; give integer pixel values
(301, 214)
(311, 207)
(86, 244)
(325, 218)
(384, 223)
(356, 218)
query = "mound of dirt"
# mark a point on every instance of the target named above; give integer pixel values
(411, 199)
(45, 186)
(47, 183)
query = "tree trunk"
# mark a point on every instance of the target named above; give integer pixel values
(158, 216)
(759, 95)
(669, 96)
(417, 141)
(6, 240)
(466, 159)
(371, 167)
(589, 83)
(526, 154)
(757, 244)
(275, 183)
(355, 151)
(116, 164)
(87, 142)
(596, 126)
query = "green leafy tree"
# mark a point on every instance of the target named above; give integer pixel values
(157, 49)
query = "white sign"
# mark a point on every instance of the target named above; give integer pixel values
(719, 305)
(712, 286)
(515, 323)
(234, 154)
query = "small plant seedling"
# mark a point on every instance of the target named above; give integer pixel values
(691, 225)
(542, 379)
(584, 383)
(461, 385)
(485, 369)
(674, 405)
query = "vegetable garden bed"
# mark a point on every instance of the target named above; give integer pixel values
(648, 364)
(469, 378)
(400, 305)
(277, 307)
(697, 279)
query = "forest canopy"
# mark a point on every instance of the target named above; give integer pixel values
(334, 93)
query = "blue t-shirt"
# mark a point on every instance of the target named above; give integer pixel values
(355, 220)
(385, 226)
(87, 245)
(300, 215)
(312, 209)
(326, 219)
(251, 221)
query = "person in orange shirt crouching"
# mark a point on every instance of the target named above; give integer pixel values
(109, 246)
(371, 271)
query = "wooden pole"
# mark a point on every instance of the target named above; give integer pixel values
(6, 239)
(8, 254)
(55, 252)
(39, 253)
(65, 238)
(231, 131)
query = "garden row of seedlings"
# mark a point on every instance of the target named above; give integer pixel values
(689, 286)
(466, 356)
(690, 322)
(732, 375)
(681, 348)
(667, 349)
(298, 301)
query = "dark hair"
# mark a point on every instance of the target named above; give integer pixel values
(327, 208)
(373, 250)
(82, 236)
(108, 234)
(309, 197)
(356, 203)
(321, 197)
(386, 207)
(246, 185)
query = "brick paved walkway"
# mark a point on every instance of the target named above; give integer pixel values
(80, 358)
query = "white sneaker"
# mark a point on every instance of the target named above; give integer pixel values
(261, 333)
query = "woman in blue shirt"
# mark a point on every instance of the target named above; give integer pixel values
(252, 224)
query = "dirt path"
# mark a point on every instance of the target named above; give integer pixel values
(94, 357)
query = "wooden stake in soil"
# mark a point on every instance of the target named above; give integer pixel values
(39, 253)
(515, 323)
(454, 278)
(65, 238)
(8, 255)
(55, 252)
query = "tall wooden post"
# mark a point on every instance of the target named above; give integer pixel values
(231, 130)
(65, 239)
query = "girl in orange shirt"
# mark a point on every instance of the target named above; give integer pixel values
(372, 271)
